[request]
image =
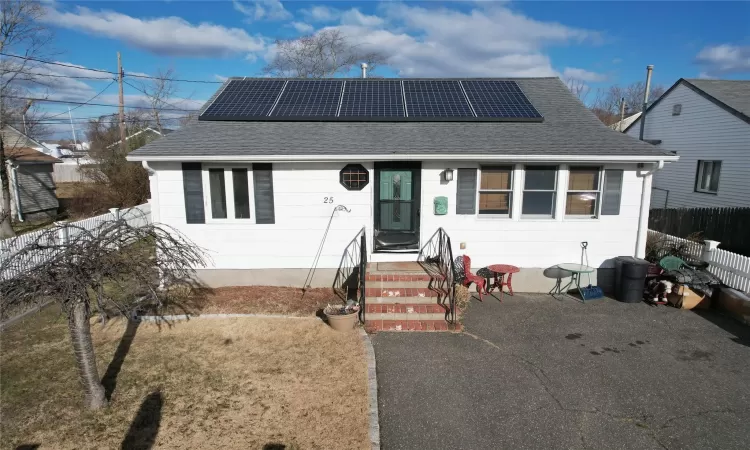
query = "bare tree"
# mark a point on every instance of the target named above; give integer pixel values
(322, 55)
(578, 88)
(158, 91)
(606, 103)
(83, 269)
(21, 33)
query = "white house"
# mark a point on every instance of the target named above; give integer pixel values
(256, 178)
(707, 124)
(622, 125)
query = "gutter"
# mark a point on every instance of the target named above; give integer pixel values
(394, 157)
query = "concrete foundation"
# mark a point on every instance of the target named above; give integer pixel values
(527, 280)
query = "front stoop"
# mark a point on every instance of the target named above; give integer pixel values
(402, 300)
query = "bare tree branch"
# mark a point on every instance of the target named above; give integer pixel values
(322, 55)
(77, 263)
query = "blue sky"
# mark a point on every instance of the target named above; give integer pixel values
(600, 43)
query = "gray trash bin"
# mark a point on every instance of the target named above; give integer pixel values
(630, 278)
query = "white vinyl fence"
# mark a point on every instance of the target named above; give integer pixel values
(731, 268)
(136, 216)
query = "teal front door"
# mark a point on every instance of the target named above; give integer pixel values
(397, 206)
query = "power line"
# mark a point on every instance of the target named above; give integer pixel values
(149, 95)
(93, 104)
(86, 102)
(63, 76)
(54, 63)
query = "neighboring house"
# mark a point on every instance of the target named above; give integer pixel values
(623, 124)
(707, 124)
(14, 138)
(32, 188)
(255, 182)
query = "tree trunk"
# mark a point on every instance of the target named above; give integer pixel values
(83, 349)
(6, 227)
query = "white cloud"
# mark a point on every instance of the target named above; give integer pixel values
(491, 41)
(583, 75)
(355, 17)
(617, 61)
(724, 59)
(221, 78)
(320, 13)
(262, 9)
(303, 27)
(168, 36)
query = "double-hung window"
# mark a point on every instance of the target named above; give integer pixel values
(226, 202)
(496, 190)
(584, 192)
(540, 183)
(707, 176)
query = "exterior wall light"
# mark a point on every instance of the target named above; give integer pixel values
(448, 174)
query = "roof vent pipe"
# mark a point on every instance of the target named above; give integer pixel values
(649, 69)
(364, 70)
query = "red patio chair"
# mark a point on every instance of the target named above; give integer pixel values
(471, 278)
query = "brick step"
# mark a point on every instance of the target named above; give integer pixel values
(410, 325)
(399, 284)
(400, 276)
(400, 292)
(408, 308)
(402, 300)
(405, 316)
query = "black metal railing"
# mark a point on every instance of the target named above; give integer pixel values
(436, 258)
(349, 283)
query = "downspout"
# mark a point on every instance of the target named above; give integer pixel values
(17, 191)
(640, 238)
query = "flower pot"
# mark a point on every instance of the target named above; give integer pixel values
(342, 322)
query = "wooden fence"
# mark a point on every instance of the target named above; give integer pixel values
(726, 225)
(136, 216)
(731, 268)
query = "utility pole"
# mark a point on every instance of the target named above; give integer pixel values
(622, 112)
(649, 69)
(123, 145)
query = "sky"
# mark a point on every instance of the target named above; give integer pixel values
(599, 43)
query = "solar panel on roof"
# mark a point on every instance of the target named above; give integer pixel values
(372, 98)
(436, 99)
(244, 99)
(499, 98)
(309, 98)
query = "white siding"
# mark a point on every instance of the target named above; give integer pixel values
(703, 131)
(301, 218)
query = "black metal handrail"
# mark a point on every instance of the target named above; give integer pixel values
(349, 283)
(436, 258)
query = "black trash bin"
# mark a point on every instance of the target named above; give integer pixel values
(630, 277)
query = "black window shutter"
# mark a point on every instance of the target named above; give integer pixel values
(192, 185)
(466, 191)
(612, 192)
(263, 187)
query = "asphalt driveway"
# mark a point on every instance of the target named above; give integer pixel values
(535, 372)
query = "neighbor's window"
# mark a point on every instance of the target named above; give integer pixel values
(496, 190)
(676, 109)
(539, 187)
(217, 183)
(584, 190)
(707, 177)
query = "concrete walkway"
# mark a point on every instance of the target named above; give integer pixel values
(535, 372)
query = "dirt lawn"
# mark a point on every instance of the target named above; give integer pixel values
(206, 383)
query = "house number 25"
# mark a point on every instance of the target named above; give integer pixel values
(327, 199)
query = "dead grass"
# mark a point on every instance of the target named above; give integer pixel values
(256, 300)
(207, 383)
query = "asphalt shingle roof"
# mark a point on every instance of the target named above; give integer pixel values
(733, 93)
(569, 128)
